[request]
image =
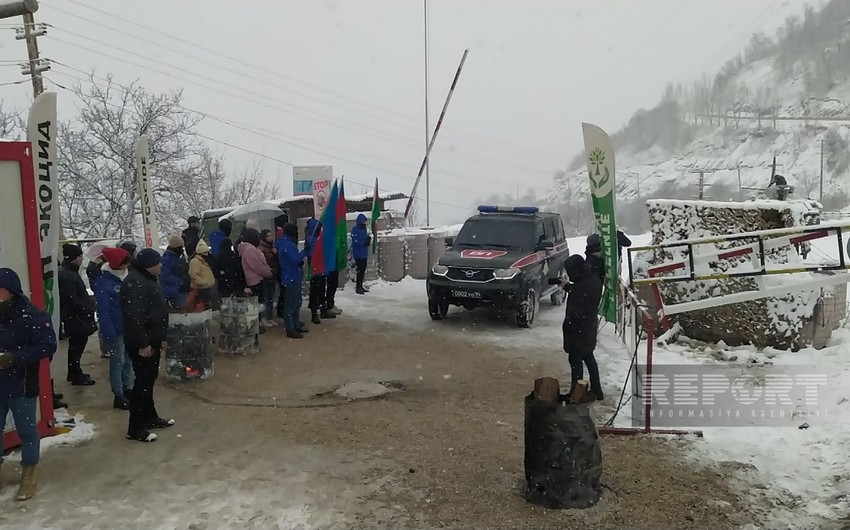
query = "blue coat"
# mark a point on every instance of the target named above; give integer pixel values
(27, 333)
(174, 278)
(291, 261)
(360, 239)
(106, 288)
(215, 241)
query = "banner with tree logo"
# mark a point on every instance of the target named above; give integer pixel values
(600, 167)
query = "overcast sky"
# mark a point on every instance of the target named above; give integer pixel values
(345, 78)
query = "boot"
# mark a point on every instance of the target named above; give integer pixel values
(360, 290)
(121, 403)
(27, 488)
(328, 314)
(58, 403)
(315, 319)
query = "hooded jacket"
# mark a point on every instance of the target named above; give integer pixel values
(360, 239)
(76, 306)
(174, 278)
(270, 255)
(106, 289)
(200, 272)
(291, 260)
(143, 309)
(580, 320)
(28, 335)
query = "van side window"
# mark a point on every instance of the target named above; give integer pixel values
(551, 232)
(540, 233)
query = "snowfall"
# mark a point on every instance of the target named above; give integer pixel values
(801, 476)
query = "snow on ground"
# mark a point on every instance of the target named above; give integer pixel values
(803, 474)
(82, 432)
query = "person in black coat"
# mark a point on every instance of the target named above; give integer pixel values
(191, 235)
(228, 271)
(145, 314)
(580, 322)
(593, 252)
(76, 309)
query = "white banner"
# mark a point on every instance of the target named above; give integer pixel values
(149, 222)
(41, 132)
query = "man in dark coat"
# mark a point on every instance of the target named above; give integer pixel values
(580, 322)
(593, 252)
(318, 282)
(145, 314)
(192, 234)
(26, 337)
(76, 309)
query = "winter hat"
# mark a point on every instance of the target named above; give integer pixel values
(575, 267)
(361, 219)
(116, 257)
(129, 246)
(71, 252)
(10, 281)
(148, 258)
(193, 219)
(226, 226)
(202, 247)
(175, 241)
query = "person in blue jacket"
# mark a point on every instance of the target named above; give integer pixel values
(291, 275)
(225, 228)
(106, 288)
(26, 337)
(360, 241)
(174, 278)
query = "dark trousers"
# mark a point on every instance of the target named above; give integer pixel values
(318, 289)
(576, 359)
(333, 285)
(361, 271)
(76, 345)
(292, 308)
(146, 370)
(280, 299)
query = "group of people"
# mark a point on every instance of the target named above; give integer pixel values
(132, 319)
(584, 283)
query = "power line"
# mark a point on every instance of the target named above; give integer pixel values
(265, 133)
(239, 148)
(485, 140)
(353, 126)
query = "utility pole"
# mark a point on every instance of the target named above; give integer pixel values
(427, 128)
(35, 66)
(821, 170)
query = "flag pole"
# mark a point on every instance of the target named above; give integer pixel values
(434, 136)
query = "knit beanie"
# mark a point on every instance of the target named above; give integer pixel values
(71, 252)
(147, 258)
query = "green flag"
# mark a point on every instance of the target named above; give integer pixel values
(341, 229)
(600, 168)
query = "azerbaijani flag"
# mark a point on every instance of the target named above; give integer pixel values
(328, 240)
(324, 253)
(376, 212)
(341, 229)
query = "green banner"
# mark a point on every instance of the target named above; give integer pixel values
(600, 168)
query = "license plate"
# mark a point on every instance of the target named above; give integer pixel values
(468, 294)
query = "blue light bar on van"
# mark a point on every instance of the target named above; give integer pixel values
(508, 209)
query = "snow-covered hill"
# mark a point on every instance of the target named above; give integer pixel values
(732, 125)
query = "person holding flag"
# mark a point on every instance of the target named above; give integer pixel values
(341, 251)
(360, 241)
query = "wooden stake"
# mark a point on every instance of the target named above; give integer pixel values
(579, 391)
(547, 389)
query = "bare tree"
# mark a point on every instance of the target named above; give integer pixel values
(99, 191)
